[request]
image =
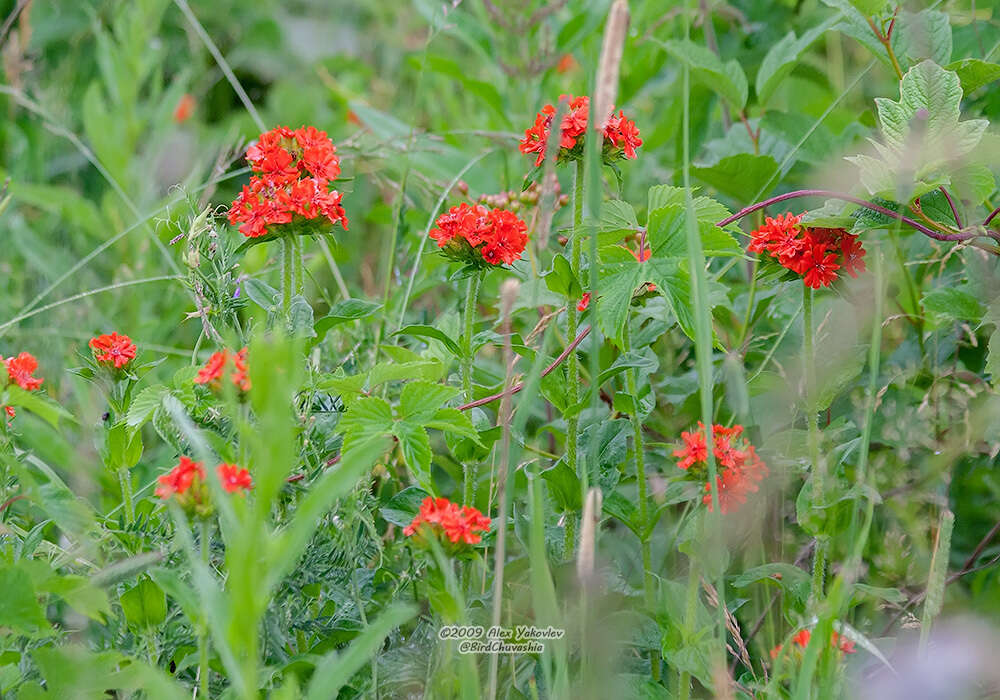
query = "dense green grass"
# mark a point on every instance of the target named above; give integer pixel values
(873, 401)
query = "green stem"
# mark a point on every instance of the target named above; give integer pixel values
(817, 464)
(287, 276)
(203, 667)
(125, 479)
(572, 322)
(690, 617)
(298, 265)
(640, 472)
(471, 297)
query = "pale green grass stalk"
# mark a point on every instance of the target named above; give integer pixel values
(508, 295)
(816, 463)
(572, 321)
(938, 576)
(703, 360)
(203, 643)
(469, 319)
(287, 277)
(125, 479)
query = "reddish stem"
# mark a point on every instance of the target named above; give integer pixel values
(861, 203)
(991, 216)
(954, 210)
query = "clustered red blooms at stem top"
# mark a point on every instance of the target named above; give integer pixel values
(479, 236)
(214, 370)
(293, 170)
(459, 524)
(621, 137)
(114, 349)
(741, 468)
(21, 370)
(814, 253)
(186, 483)
(802, 637)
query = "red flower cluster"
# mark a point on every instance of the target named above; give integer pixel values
(741, 468)
(458, 523)
(477, 235)
(20, 371)
(186, 482)
(621, 137)
(293, 172)
(213, 371)
(814, 253)
(803, 636)
(114, 349)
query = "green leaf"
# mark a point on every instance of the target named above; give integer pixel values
(953, 303)
(974, 73)
(924, 35)
(39, 404)
(781, 58)
(451, 420)
(739, 176)
(301, 317)
(335, 669)
(368, 418)
(422, 331)
(618, 218)
(143, 405)
(869, 8)
(19, 607)
(725, 79)
(561, 280)
(344, 311)
(923, 134)
(790, 577)
(667, 237)
(419, 401)
(403, 507)
(415, 447)
(145, 605)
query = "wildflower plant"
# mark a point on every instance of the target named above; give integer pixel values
(669, 399)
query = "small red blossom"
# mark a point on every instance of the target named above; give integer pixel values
(475, 234)
(741, 469)
(291, 182)
(114, 349)
(234, 478)
(459, 524)
(566, 63)
(584, 302)
(10, 411)
(214, 370)
(179, 479)
(621, 137)
(815, 253)
(21, 369)
(184, 109)
(802, 637)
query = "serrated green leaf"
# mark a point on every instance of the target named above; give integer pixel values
(344, 311)
(451, 420)
(974, 73)
(739, 176)
(421, 400)
(953, 303)
(781, 58)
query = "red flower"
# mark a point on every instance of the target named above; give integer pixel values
(457, 524)
(815, 253)
(213, 371)
(818, 266)
(474, 234)
(740, 467)
(566, 63)
(293, 170)
(179, 479)
(853, 255)
(184, 109)
(234, 478)
(10, 411)
(20, 370)
(694, 450)
(802, 637)
(621, 137)
(114, 349)
(584, 302)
